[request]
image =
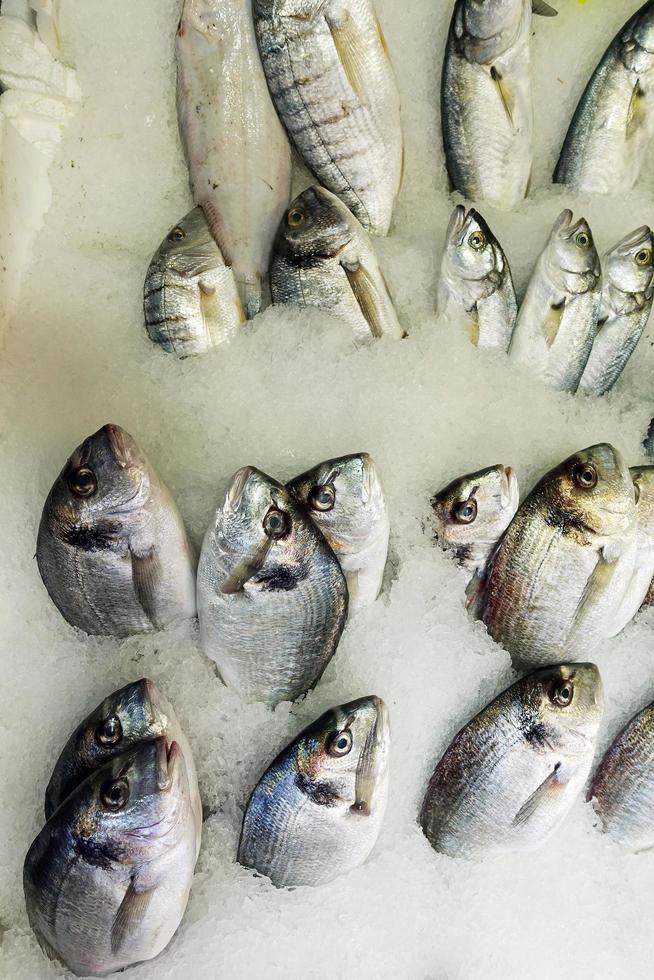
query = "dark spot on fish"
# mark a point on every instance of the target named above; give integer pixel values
(95, 854)
(536, 733)
(279, 579)
(321, 792)
(89, 538)
(463, 552)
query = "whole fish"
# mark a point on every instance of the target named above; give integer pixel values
(272, 599)
(476, 281)
(331, 80)
(238, 155)
(639, 589)
(190, 299)
(564, 563)
(317, 810)
(324, 258)
(345, 499)
(622, 790)
(138, 712)
(112, 549)
(107, 880)
(558, 318)
(605, 146)
(470, 514)
(510, 776)
(627, 294)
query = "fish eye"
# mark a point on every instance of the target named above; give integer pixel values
(585, 475)
(295, 218)
(644, 256)
(466, 512)
(109, 731)
(477, 240)
(115, 795)
(562, 694)
(340, 743)
(582, 239)
(82, 482)
(276, 523)
(177, 234)
(323, 498)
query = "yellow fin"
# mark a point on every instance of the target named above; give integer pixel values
(351, 51)
(553, 322)
(382, 39)
(636, 111)
(473, 326)
(505, 93)
(367, 297)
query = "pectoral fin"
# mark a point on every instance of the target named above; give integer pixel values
(636, 110)
(543, 9)
(246, 569)
(367, 296)
(552, 322)
(351, 50)
(596, 588)
(473, 325)
(146, 576)
(505, 93)
(545, 796)
(130, 915)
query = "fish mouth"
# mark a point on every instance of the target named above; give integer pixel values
(234, 496)
(156, 703)
(117, 444)
(167, 759)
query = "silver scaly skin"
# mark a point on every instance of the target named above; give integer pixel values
(324, 258)
(476, 284)
(605, 146)
(317, 811)
(558, 319)
(331, 80)
(272, 599)
(345, 499)
(190, 298)
(510, 776)
(112, 549)
(639, 589)
(627, 294)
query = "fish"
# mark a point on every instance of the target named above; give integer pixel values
(324, 258)
(639, 590)
(317, 810)
(627, 294)
(237, 151)
(613, 124)
(561, 568)
(559, 316)
(510, 776)
(272, 599)
(138, 712)
(107, 879)
(112, 549)
(345, 499)
(331, 79)
(190, 298)
(476, 284)
(470, 514)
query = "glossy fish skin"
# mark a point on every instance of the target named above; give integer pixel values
(317, 810)
(112, 549)
(476, 281)
(470, 514)
(628, 291)
(190, 299)
(345, 499)
(558, 319)
(272, 599)
(561, 568)
(639, 589)
(107, 880)
(238, 154)
(606, 143)
(331, 80)
(510, 776)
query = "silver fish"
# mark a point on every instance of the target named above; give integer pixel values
(107, 880)
(238, 154)
(605, 146)
(345, 499)
(476, 283)
(112, 549)
(190, 298)
(558, 319)
(565, 560)
(272, 599)
(627, 294)
(639, 588)
(510, 776)
(317, 811)
(331, 80)
(324, 258)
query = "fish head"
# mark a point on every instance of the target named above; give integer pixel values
(643, 478)
(472, 248)
(187, 249)
(629, 266)
(471, 513)
(637, 41)
(568, 701)
(492, 20)
(571, 246)
(591, 491)
(317, 226)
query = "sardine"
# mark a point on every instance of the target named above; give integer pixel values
(317, 810)
(639, 589)
(112, 549)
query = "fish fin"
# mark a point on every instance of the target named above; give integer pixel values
(543, 9)
(350, 50)
(244, 570)
(47, 947)
(597, 584)
(366, 295)
(475, 594)
(505, 92)
(553, 322)
(636, 110)
(402, 166)
(146, 576)
(543, 795)
(129, 915)
(473, 325)
(380, 35)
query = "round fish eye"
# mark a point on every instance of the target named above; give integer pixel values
(340, 743)
(177, 234)
(322, 498)
(276, 523)
(644, 256)
(109, 731)
(562, 694)
(585, 475)
(82, 482)
(295, 218)
(477, 240)
(582, 239)
(115, 795)
(466, 512)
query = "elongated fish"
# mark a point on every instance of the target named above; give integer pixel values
(605, 146)
(476, 283)
(331, 80)
(112, 549)
(510, 776)
(237, 151)
(558, 319)
(639, 589)
(317, 810)
(627, 294)
(272, 599)
(324, 258)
